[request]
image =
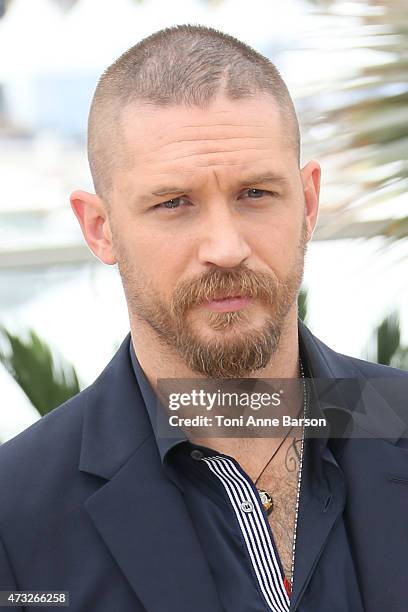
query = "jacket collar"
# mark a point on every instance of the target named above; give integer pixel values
(353, 394)
(115, 420)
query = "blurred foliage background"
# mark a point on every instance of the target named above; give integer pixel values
(361, 129)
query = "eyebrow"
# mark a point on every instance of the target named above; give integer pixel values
(270, 177)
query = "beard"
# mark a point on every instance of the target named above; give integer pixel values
(236, 349)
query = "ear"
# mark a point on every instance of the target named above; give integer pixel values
(311, 188)
(93, 219)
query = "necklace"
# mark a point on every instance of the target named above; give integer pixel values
(266, 498)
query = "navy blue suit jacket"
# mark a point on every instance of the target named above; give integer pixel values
(86, 508)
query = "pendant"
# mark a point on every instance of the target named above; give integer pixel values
(266, 500)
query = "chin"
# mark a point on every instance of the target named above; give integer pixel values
(206, 332)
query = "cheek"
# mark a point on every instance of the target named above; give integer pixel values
(161, 260)
(277, 244)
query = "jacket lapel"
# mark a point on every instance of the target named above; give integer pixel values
(139, 512)
(322, 501)
(322, 494)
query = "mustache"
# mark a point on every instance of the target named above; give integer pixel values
(218, 283)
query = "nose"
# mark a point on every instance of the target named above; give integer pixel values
(222, 242)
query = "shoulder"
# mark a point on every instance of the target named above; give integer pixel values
(385, 388)
(55, 439)
(345, 366)
(39, 476)
(368, 369)
(51, 443)
(42, 463)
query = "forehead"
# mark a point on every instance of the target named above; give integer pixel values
(188, 140)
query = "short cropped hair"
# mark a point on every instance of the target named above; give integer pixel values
(181, 65)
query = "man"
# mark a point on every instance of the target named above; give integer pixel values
(194, 153)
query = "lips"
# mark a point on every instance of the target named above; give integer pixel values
(227, 303)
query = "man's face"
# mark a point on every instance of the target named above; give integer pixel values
(209, 229)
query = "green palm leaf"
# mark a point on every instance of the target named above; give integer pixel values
(34, 368)
(388, 338)
(302, 304)
(386, 343)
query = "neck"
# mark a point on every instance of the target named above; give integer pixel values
(158, 362)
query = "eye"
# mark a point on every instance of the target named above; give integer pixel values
(172, 204)
(256, 194)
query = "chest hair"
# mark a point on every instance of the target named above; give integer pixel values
(281, 481)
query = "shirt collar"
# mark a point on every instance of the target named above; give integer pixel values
(171, 436)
